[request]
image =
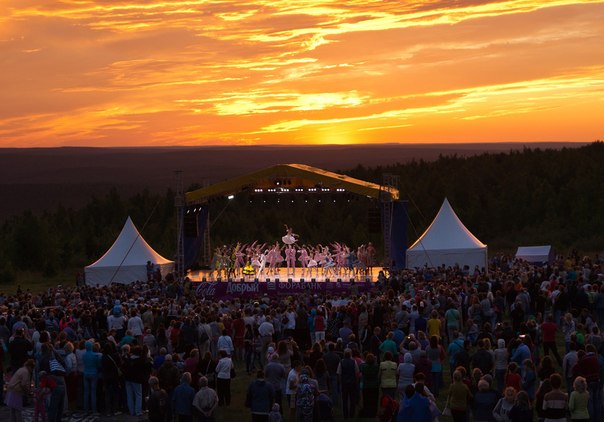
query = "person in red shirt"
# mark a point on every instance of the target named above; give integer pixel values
(548, 332)
(512, 377)
(239, 334)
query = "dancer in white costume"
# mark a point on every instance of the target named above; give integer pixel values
(290, 237)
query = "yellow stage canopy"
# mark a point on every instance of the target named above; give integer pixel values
(289, 177)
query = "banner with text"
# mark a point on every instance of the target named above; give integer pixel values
(235, 289)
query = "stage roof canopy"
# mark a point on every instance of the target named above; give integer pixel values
(284, 178)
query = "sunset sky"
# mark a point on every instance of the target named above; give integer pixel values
(205, 72)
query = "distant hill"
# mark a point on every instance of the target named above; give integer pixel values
(40, 179)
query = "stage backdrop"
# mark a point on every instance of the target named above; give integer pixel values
(235, 289)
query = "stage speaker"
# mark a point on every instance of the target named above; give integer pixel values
(352, 280)
(289, 280)
(276, 280)
(374, 220)
(313, 280)
(190, 225)
(219, 279)
(301, 280)
(241, 280)
(339, 280)
(203, 280)
(327, 280)
(256, 280)
(268, 280)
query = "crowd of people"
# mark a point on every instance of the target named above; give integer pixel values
(518, 342)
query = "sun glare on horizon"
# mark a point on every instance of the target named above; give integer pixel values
(192, 72)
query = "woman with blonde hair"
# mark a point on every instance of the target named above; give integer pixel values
(504, 405)
(578, 401)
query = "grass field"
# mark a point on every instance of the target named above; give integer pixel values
(37, 283)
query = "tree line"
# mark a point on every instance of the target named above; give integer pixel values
(524, 197)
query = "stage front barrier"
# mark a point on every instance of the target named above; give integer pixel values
(238, 289)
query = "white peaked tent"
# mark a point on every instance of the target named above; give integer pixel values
(535, 254)
(447, 242)
(126, 260)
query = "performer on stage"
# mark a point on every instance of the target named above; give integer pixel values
(248, 270)
(370, 256)
(239, 258)
(304, 260)
(290, 237)
(290, 260)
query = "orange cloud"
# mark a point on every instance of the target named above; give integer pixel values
(191, 72)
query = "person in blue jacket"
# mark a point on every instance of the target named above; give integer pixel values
(414, 407)
(182, 399)
(260, 397)
(92, 364)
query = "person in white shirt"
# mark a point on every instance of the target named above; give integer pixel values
(136, 326)
(223, 378)
(116, 321)
(225, 343)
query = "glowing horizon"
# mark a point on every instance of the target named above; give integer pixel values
(206, 72)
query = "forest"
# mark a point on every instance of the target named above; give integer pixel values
(530, 196)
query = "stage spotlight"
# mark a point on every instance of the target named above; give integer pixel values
(230, 196)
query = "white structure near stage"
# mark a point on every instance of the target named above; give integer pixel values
(447, 242)
(536, 254)
(126, 260)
